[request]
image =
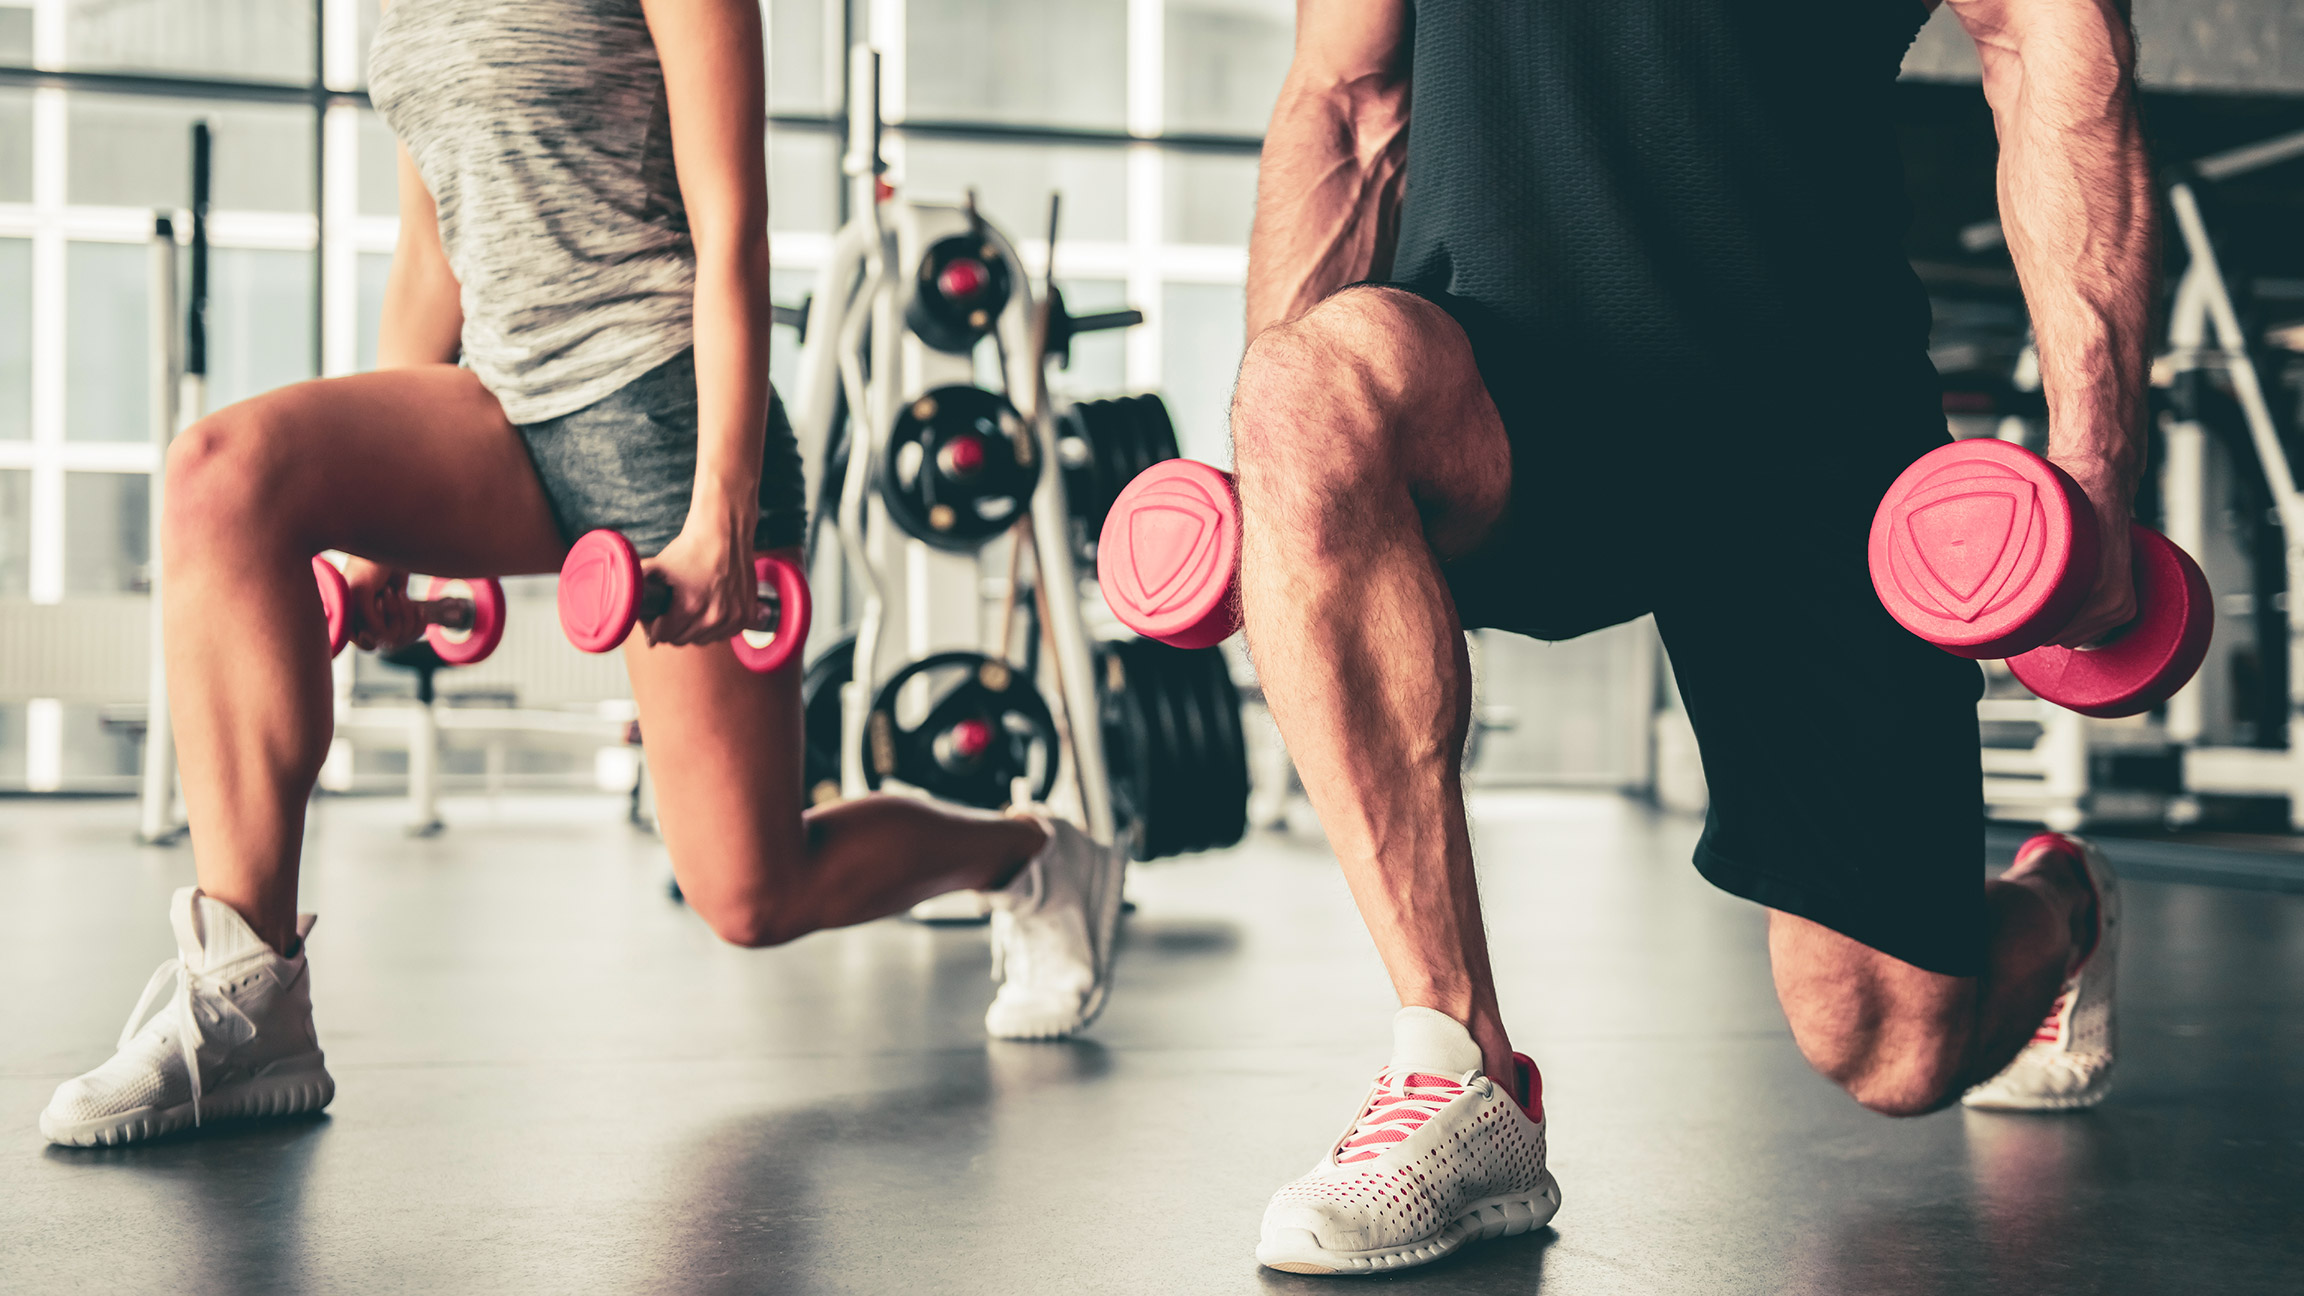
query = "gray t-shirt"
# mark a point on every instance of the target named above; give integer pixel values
(541, 129)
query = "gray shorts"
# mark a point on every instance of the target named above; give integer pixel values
(628, 462)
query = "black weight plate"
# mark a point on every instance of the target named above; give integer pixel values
(1185, 672)
(1127, 758)
(1172, 776)
(951, 513)
(1161, 438)
(1226, 813)
(820, 720)
(1014, 711)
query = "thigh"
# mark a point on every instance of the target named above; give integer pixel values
(724, 754)
(1842, 753)
(415, 468)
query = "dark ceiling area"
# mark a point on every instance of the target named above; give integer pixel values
(1950, 154)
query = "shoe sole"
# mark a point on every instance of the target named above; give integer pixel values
(2064, 1102)
(292, 1093)
(1492, 1217)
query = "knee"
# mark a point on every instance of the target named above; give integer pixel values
(1314, 407)
(748, 922)
(1915, 1084)
(222, 472)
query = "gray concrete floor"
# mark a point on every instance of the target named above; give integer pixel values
(553, 1079)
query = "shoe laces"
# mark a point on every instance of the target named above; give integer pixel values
(198, 1005)
(2051, 1030)
(1399, 1107)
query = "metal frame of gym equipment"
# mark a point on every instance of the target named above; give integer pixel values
(857, 350)
(2051, 780)
(2207, 336)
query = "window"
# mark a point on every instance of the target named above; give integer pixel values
(1043, 62)
(15, 339)
(262, 40)
(106, 333)
(107, 533)
(1224, 62)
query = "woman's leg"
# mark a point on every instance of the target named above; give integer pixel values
(415, 468)
(724, 751)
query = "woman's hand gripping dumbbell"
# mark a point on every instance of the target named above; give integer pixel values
(604, 592)
(1987, 550)
(463, 620)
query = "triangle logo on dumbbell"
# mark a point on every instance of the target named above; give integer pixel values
(1171, 550)
(1965, 539)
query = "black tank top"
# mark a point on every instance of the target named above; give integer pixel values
(1689, 197)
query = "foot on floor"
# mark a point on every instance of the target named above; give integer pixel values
(2068, 1063)
(1053, 929)
(234, 1040)
(1438, 1156)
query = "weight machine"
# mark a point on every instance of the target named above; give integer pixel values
(928, 483)
(2227, 495)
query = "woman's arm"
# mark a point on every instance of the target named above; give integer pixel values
(711, 52)
(423, 320)
(1335, 159)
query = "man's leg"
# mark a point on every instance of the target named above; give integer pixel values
(1368, 451)
(1903, 1041)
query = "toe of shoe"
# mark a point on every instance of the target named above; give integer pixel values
(1295, 1226)
(1033, 1017)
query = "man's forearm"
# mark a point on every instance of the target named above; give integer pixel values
(1328, 193)
(2077, 203)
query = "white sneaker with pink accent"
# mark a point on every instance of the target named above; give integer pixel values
(1438, 1156)
(2068, 1064)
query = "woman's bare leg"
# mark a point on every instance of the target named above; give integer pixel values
(415, 468)
(724, 750)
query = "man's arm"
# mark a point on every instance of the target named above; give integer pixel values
(2077, 203)
(1335, 159)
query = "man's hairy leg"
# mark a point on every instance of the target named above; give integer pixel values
(1368, 449)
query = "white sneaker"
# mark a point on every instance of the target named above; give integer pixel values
(1438, 1156)
(2068, 1064)
(1052, 935)
(235, 1039)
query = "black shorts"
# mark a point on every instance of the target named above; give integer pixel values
(628, 462)
(1841, 751)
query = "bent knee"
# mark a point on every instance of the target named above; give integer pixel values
(1345, 371)
(1904, 1088)
(223, 472)
(744, 919)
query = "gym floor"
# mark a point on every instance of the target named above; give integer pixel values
(552, 1078)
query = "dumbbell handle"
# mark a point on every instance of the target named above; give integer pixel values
(656, 599)
(447, 613)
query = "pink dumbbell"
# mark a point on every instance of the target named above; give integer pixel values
(604, 592)
(463, 619)
(1169, 554)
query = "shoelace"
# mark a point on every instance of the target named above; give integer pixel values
(2051, 1031)
(1397, 1110)
(190, 1009)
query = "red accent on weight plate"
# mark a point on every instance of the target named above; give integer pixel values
(970, 738)
(963, 455)
(599, 590)
(963, 278)
(2151, 659)
(1983, 549)
(1169, 554)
